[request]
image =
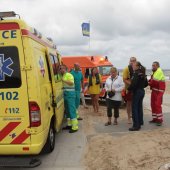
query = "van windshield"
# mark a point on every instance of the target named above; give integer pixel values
(104, 70)
(10, 75)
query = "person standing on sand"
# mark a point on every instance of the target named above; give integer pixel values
(138, 83)
(79, 84)
(115, 84)
(69, 100)
(127, 75)
(94, 87)
(157, 85)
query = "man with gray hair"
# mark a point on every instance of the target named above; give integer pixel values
(157, 85)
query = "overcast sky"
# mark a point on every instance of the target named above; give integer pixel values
(119, 28)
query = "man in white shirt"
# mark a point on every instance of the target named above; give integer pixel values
(114, 86)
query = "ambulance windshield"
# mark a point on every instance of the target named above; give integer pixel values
(10, 75)
(104, 70)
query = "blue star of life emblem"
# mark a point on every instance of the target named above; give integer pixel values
(4, 67)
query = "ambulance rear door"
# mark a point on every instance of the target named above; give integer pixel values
(14, 106)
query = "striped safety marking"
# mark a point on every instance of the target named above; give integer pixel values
(7, 129)
(20, 138)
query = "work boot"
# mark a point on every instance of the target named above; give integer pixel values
(107, 123)
(72, 131)
(159, 124)
(134, 129)
(66, 128)
(152, 121)
(79, 118)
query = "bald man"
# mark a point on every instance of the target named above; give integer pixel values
(78, 80)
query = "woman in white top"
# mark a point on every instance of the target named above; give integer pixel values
(115, 84)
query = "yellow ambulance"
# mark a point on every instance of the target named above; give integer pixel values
(31, 93)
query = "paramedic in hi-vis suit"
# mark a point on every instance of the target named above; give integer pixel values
(69, 100)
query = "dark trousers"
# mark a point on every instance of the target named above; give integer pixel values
(137, 107)
(113, 104)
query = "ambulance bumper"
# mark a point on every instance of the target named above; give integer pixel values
(34, 148)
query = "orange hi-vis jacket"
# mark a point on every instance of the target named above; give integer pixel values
(157, 81)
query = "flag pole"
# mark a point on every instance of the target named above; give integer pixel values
(89, 37)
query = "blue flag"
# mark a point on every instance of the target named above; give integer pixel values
(86, 29)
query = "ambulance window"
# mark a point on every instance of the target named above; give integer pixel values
(104, 70)
(10, 75)
(87, 72)
(55, 65)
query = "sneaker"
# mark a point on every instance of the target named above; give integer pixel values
(134, 129)
(72, 131)
(80, 118)
(66, 128)
(115, 123)
(141, 123)
(107, 123)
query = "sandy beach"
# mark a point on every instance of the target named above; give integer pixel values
(115, 148)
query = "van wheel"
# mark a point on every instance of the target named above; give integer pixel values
(50, 143)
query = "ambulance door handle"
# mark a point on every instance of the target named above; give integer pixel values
(54, 104)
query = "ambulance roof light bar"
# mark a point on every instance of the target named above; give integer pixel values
(8, 14)
(50, 39)
(92, 58)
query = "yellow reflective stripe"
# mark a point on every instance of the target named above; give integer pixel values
(74, 123)
(69, 90)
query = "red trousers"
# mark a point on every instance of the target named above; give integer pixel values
(156, 105)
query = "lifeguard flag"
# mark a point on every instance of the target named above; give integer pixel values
(85, 29)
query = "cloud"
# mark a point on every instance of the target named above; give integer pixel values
(119, 29)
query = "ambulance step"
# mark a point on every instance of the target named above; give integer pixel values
(24, 162)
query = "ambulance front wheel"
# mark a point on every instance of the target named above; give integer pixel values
(50, 144)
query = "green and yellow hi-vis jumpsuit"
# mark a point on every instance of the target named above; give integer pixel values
(69, 101)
